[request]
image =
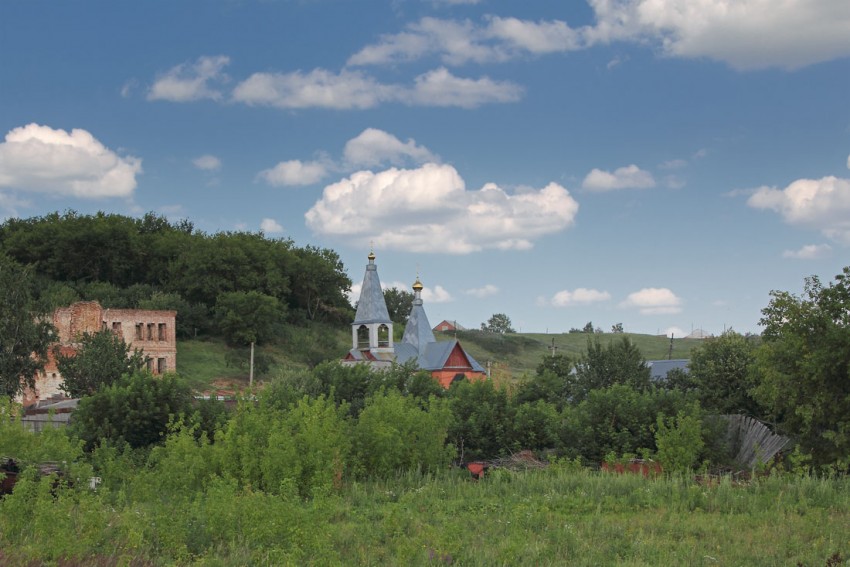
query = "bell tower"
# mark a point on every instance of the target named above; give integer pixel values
(372, 328)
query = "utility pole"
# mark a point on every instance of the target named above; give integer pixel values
(251, 371)
(553, 348)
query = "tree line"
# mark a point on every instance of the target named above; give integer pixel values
(239, 285)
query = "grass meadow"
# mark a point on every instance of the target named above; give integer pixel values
(562, 515)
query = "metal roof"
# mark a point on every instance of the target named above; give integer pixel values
(372, 308)
(659, 368)
(418, 331)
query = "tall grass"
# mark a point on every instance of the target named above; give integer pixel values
(557, 516)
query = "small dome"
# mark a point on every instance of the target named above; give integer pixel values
(371, 256)
(417, 285)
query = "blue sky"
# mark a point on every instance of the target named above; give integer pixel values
(658, 163)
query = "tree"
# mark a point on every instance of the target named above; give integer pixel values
(100, 360)
(621, 362)
(720, 370)
(24, 336)
(399, 303)
(498, 323)
(802, 368)
(617, 328)
(248, 316)
(135, 410)
(588, 328)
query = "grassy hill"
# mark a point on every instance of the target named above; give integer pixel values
(210, 364)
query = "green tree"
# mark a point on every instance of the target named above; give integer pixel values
(802, 368)
(248, 316)
(135, 410)
(720, 369)
(588, 328)
(617, 328)
(24, 335)
(679, 441)
(399, 303)
(100, 360)
(482, 423)
(498, 323)
(394, 434)
(620, 362)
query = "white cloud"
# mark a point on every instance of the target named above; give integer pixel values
(746, 34)
(9, 206)
(481, 292)
(294, 172)
(581, 296)
(270, 226)
(189, 82)
(822, 204)
(629, 177)
(461, 42)
(673, 164)
(848, 162)
(429, 209)
(207, 163)
(674, 332)
(374, 147)
(352, 89)
(437, 294)
(809, 252)
(40, 159)
(317, 89)
(440, 88)
(653, 301)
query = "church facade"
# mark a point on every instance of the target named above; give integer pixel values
(372, 337)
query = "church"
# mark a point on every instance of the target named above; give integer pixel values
(372, 337)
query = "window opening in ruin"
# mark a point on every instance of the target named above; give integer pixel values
(383, 336)
(160, 366)
(363, 337)
(150, 331)
(116, 327)
(140, 331)
(149, 364)
(161, 329)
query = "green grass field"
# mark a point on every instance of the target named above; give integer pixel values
(557, 516)
(203, 362)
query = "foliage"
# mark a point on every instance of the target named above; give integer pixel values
(720, 369)
(680, 440)
(620, 362)
(192, 318)
(394, 434)
(24, 336)
(802, 367)
(100, 360)
(588, 328)
(498, 323)
(246, 317)
(135, 410)
(617, 328)
(399, 303)
(483, 417)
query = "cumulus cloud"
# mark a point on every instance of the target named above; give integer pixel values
(629, 177)
(191, 81)
(653, 301)
(355, 90)
(207, 163)
(820, 204)
(809, 252)
(40, 159)
(270, 226)
(459, 42)
(745, 34)
(294, 172)
(437, 294)
(581, 296)
(481, 292)
(374, 147)
(429, 209)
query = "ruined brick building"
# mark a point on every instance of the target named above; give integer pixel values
(152, 332)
